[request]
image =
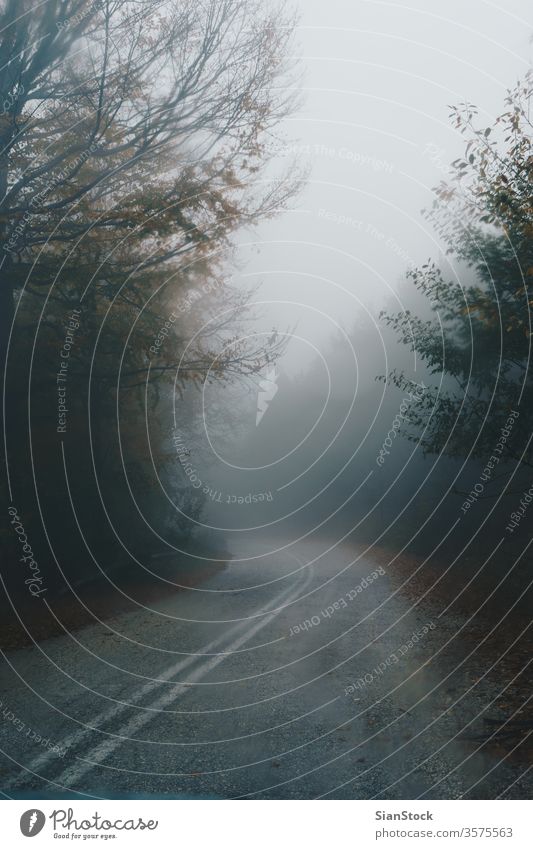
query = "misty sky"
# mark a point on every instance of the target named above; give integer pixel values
(378, 79)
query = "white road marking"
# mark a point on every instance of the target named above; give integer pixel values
(73, 774)
(73, 740)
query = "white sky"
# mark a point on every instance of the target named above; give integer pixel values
(378, 80)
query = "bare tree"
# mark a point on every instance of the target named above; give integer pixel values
(122, 116)
(135, 138)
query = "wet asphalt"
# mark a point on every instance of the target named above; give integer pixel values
(298, 671)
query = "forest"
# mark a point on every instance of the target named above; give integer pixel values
(266, 278)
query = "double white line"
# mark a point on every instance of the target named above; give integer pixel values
(71, 775)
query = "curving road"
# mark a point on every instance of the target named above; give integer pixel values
(292, 673)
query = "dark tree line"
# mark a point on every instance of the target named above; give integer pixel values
(479, 335)
(135, 138)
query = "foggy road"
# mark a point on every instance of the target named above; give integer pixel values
(295, 672)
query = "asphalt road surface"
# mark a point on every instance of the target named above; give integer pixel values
(295, 672)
